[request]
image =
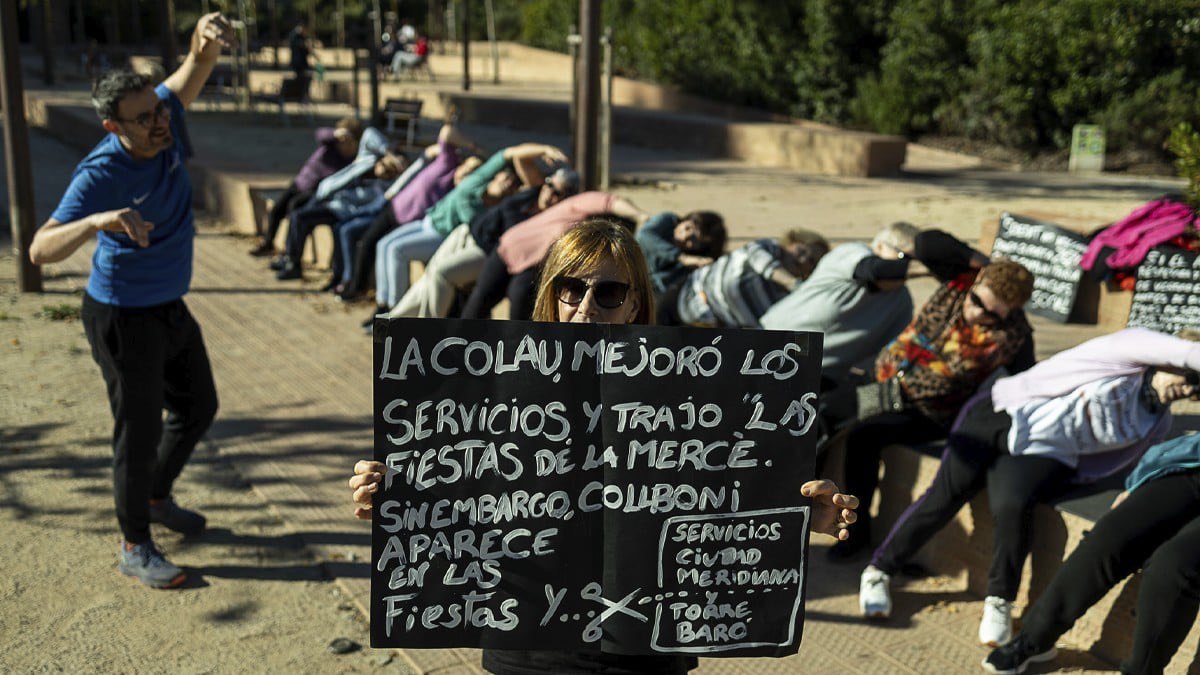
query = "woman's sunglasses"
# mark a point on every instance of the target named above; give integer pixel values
(992, 316)
(606, 294)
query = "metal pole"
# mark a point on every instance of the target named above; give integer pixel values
(491, 19)
(16, 151)
(466, 44)
(354, 83)
(166, 27)
(572, 111)
(376, 29)
(589, 94)
(80, 37)
(606, 112)
(274, 34)
(47, 43)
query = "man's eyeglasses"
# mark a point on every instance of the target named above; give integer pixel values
(991, 315)
(554, 191)
(606, 294)
(148, 119)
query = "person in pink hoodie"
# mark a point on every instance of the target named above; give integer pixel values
(1072, 419)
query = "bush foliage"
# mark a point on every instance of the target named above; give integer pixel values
(1016, 72)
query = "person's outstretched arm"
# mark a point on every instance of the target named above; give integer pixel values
(524, 158)
(212, 32)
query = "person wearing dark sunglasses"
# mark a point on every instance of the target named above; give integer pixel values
(596, 273)
(132, 195)
(971, 326)
(1079, 416)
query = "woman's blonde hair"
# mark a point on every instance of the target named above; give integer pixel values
(586, 246)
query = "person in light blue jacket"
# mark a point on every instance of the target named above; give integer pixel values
(1154, 526)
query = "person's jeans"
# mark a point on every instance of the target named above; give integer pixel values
(365, 253)
(453, 268)
(151, 358)
(301, 223)
(412, 241)
(349, 234)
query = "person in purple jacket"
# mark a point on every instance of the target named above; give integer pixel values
(1072, 419)
(336, 146)
(430, 178)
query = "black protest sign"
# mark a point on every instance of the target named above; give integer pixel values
(1052, 254)
(1166, 297)
(584, 487)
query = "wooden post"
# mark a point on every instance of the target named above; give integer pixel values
(466, 44)
(495, 49)
(47, 42)
(16, 151)
(376, 29)
(588, 108)
(166, 38)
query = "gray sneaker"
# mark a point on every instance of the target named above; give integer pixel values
(150, 567)
(177, 518)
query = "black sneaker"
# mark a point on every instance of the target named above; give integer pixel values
(290, 271)
(1014, 657)
(148, 565)
(279, 262)
(177, 518)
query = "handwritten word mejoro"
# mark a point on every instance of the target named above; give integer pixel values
(550, 358)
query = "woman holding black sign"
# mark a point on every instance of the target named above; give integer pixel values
(596, 273)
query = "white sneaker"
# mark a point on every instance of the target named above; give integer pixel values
(995, 630)
(874, 594)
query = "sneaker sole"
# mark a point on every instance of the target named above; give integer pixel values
(1036, 658)
(173, 583)
(877, 615)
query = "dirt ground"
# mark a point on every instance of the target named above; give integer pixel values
(257, 600)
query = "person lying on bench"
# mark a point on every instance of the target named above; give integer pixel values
(1083, 414)
(738, 288)
(857, 297)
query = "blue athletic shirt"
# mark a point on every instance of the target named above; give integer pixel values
(109, 178)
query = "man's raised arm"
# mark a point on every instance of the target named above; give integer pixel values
(212, 32)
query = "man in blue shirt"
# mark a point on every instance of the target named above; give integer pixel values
(133, 195)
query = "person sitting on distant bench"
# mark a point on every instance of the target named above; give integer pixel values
(740, 286)
(458, 262)
(410, 56)
(374, 156)
(675, 246)
(336, 146)
(440, 169)
(512, 269)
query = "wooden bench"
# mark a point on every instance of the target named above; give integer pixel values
(406, 111)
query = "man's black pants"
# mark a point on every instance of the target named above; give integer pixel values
(152, 358)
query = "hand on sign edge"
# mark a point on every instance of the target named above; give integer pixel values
(365, 483)
(832, 511)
